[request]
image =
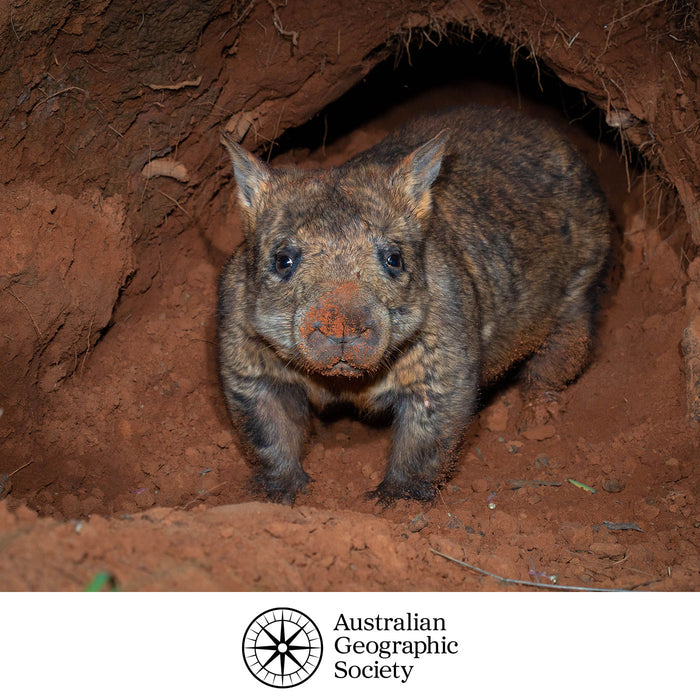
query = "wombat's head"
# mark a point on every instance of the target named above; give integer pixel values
(335, 257)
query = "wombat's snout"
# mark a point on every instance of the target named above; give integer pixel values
(342, 332)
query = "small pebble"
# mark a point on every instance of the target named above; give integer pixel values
(223, 439)
(418, 523)
(539, 432)
(480, 485)
(514, 446)
(612, 486)
(453, 522)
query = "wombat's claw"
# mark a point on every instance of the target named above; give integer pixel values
(281, 491)
(384, 500)
(388, 492)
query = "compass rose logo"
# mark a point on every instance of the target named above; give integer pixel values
(282, 647)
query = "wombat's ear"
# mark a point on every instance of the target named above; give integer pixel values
(252, 175)
(417, 172)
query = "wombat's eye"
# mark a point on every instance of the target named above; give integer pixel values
(393, 261)
(285, 260)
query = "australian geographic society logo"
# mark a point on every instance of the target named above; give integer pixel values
(282, 647)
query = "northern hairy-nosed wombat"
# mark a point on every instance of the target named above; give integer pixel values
(402, 282)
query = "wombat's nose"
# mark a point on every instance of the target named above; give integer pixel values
(346, 328)
(341, 330)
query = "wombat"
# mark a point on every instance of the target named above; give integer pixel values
(403, 282)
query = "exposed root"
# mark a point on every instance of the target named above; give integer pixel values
(194, 82)
(29, 313)
(56, 94)
(277, 23)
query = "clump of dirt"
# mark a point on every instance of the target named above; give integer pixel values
(109, 400)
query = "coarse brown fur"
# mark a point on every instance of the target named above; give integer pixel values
(405, 280)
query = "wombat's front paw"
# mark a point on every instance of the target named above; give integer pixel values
(389, 491)
(282, 489)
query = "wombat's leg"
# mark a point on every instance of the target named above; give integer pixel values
(275, 419)
(561, 358)
(563, 355)
(427, 430)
